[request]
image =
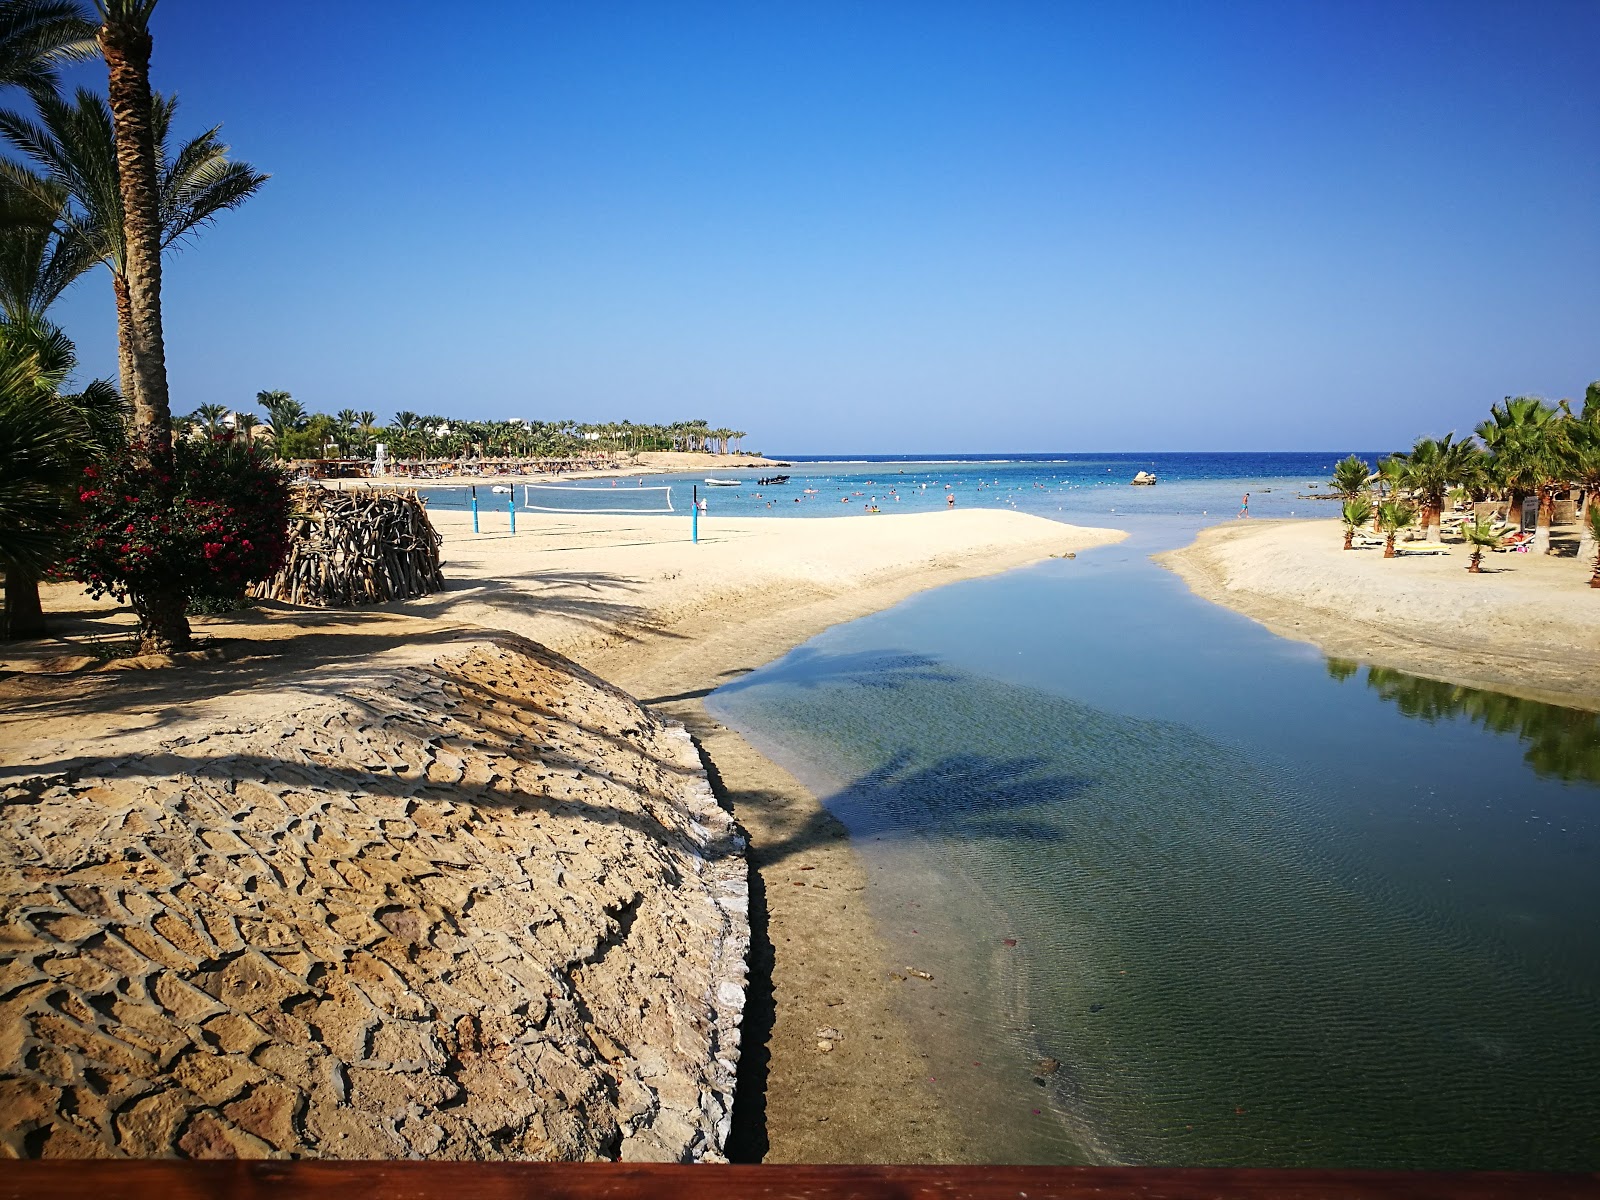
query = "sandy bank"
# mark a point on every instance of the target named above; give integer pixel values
(1529, 625)
(632, 600)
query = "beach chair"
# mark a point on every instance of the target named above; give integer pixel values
(1423, 548)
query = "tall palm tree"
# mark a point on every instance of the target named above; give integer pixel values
(125, 42)
(73, 143)
(244, 425)
(36, 36)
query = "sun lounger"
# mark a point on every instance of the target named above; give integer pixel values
(1424, 548)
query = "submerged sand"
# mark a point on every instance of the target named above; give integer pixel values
(1529, 625)
(632, 600)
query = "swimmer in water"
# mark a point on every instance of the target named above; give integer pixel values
(950, 500)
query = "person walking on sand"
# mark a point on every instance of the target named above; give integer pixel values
(1244, 509)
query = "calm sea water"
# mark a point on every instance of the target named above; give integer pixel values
(1069, 486)
(1253, 906)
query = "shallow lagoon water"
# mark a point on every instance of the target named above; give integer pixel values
(1262, 908)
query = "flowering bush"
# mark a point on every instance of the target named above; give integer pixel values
(225, 526)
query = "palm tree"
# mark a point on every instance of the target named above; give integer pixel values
(244, 424)
(124, 38)
(285, 415)
(1393, 516)
(73, 142)
(1391, 471)
(36, 36)
(1593, 526)
(1428, 470)
(1578, 445)
(1519, 435)
(38, 259)
(1481, 535)
(208, 418)
(1355, 513)
(46, 438)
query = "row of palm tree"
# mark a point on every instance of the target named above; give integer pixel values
(94, 179)
(297, 433)
(1527, 448)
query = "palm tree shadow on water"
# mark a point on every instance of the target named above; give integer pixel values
(1560, 743)
(963, 795)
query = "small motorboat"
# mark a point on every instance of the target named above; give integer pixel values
(772, 481)
(713, 481)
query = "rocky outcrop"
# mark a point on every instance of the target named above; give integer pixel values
(483, 908)
(1144, 479)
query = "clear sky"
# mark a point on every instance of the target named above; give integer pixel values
(882, 227)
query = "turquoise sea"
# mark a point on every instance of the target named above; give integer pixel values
(1257, 907)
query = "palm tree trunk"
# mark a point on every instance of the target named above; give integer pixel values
(24, 615)
(1586, 542)
(125, 368)
(125, 43)
(1541, 525)
(126, 46)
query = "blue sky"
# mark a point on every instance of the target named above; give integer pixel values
(895, 227)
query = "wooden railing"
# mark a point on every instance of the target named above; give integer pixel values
(172, 1180)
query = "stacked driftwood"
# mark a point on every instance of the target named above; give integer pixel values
(362, 546)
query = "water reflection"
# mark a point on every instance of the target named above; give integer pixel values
(1562, 743)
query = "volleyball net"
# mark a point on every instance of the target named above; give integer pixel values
(573, 498)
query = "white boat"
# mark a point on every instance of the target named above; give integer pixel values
(501, 489)
(711, 481)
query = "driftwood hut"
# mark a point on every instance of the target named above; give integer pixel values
(362, 546)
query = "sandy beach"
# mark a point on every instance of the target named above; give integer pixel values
(632, 600)
(1528, 625)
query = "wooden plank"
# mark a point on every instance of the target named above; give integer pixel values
(174, 1180)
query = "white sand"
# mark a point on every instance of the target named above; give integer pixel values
(1529, 625)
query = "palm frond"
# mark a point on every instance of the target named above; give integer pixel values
(36, 36)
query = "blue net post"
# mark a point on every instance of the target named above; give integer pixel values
(694, 516)
(474, 508)
(511, 507)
